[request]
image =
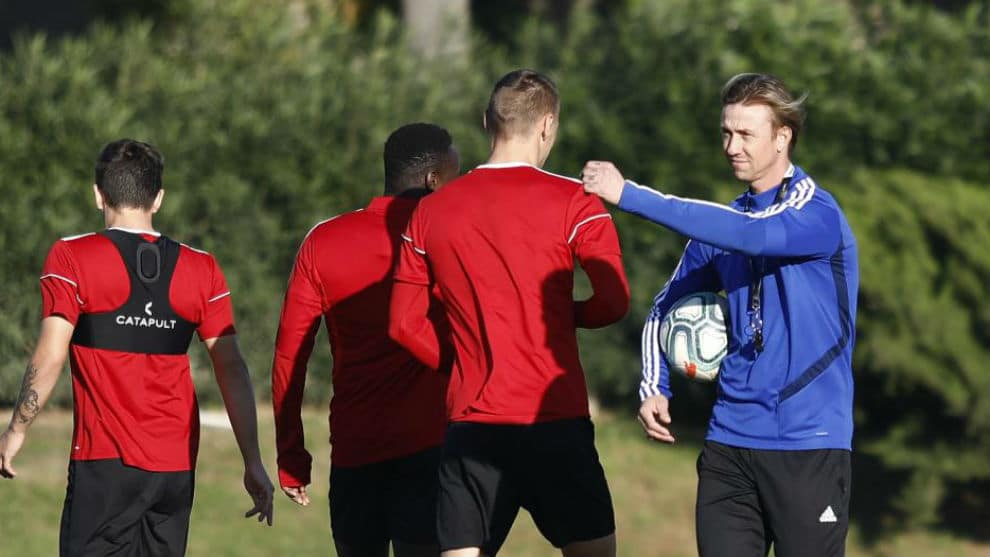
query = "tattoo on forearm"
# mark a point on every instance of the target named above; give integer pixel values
(27, 401)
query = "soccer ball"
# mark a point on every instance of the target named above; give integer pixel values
(693, 335)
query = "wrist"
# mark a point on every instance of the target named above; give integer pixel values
(253, 461)
(623, 191)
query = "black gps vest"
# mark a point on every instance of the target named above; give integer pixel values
(146, 323)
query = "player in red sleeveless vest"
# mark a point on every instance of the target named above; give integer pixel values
(387, 413)
(123, 304)
(499, 245)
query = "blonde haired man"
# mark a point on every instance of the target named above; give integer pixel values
(775, 465)
(499, 244)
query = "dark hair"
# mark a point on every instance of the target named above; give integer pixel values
(129, 174)
(412, 151)
(518, 100)
(755, 88)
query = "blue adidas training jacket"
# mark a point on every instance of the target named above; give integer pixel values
(797, 393)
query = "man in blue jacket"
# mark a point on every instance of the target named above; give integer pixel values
(775, 464)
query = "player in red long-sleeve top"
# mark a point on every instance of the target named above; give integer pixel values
(387, 414)
(498, 245)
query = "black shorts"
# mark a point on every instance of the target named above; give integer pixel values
(391, 500)
(551, 469)
(748, 500)
(115, 509)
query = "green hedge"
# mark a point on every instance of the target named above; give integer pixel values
(272, 118)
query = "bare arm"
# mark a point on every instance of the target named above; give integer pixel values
(238, 396)
(39, 381)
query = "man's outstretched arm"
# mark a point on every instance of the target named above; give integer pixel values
(801, 225)
(36, 387)
(238, 397)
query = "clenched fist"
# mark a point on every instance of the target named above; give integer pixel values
(603, 179)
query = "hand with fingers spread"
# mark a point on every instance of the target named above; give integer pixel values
(297, 494)
(261, 490)
(654, 416)
(603, 179)
(10, 444)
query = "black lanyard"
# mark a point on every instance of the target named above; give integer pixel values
(757, 266)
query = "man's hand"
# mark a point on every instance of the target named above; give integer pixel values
(10, 445)
(297, 494)
(604, 180)
(654, 416)
(260, 488)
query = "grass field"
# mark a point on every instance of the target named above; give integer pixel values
(653, 488)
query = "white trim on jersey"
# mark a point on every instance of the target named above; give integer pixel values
(652, 355)
(649, 343)
(70, 281)
(413, 244)
(197, 250)
(518, 164)
(218, 297)
(585, 221)
(60, 277)
(77, 236)
(322, 222)
(135, 230)
(511, 164)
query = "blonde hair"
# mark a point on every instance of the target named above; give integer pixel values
(765, 89)
(518, 100)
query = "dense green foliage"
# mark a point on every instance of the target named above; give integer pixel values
(272, 119)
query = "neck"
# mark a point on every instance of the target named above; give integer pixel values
(133, 219)
(773, 176)
(409, 193)
(516, 150)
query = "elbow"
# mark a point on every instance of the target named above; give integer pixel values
(619, 309)
(49, 365)
(753, 245)
(620, 305)
(623, 307)
(397, 331)
(601, 313)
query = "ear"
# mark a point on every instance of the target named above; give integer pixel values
(484, 120)
(784, 135)
(548, 126)
(98, 198)
(432, 180)
(157, 204)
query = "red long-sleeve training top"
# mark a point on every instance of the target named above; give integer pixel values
(385, 404)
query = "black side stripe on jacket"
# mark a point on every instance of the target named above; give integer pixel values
(838, 264)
